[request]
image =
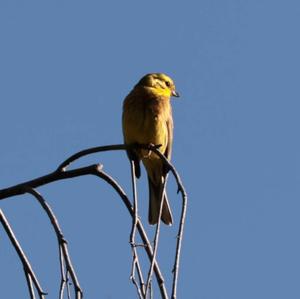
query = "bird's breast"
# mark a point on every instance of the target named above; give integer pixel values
(145, 122)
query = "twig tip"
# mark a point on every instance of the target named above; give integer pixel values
(99, 167)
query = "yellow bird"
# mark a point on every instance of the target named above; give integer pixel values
(147, 119)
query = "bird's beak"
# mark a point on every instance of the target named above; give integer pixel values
(175, 94)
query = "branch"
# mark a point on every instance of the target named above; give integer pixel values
(46, 179)
(135, 258)
(64, 253)
(61, 173)
(30, 276)
(89, 170)
(156, 236)
(63, 280)
(141, 230)
(29, 284)
(105, 148)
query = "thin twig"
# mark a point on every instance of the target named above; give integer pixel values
(20, 189)
(61, 173)
(156, 236)
(148, 247)
(180, 189)
(88, 170)
(60, 238)
(104, 148)
(62, 273)
(179, 243)
(22, 256)
(139, 291)
(137, 267)
(29, 284)
(135, 207)
(68, 285)
(89, 151)
(135, 258)
(151, 290)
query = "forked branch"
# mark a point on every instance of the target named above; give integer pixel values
(65, 260)
(96, 170)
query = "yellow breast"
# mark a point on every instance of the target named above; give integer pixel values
(145, 119)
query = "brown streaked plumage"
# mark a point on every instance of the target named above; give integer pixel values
(147, 119)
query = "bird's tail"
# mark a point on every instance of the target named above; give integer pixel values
(154, 204)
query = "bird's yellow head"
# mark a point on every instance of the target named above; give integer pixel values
(159, 84)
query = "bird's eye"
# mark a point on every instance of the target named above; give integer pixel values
(168, 83)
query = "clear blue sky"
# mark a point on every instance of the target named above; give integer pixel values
(65, 67)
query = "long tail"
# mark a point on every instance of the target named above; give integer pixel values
(154, 204)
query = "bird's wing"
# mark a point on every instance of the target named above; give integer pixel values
(169, 124)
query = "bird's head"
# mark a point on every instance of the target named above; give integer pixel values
(160, 84)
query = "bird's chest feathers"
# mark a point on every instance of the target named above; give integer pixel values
(150, 124)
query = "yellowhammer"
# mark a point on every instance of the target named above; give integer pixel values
(147, 119)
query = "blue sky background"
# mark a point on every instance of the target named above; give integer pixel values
(65, 67)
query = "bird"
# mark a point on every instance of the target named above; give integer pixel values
(147, 119)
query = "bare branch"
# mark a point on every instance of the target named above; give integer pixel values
(63, 280)
(68, 285)
(61, 241)
(135, 258)
(105, 148)
(29, 284)
(89, 170)
(156, 236)
(139, 291)
(49, 178)
(30, 276)
(148, 248)
(180, 189)
(62, 173)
